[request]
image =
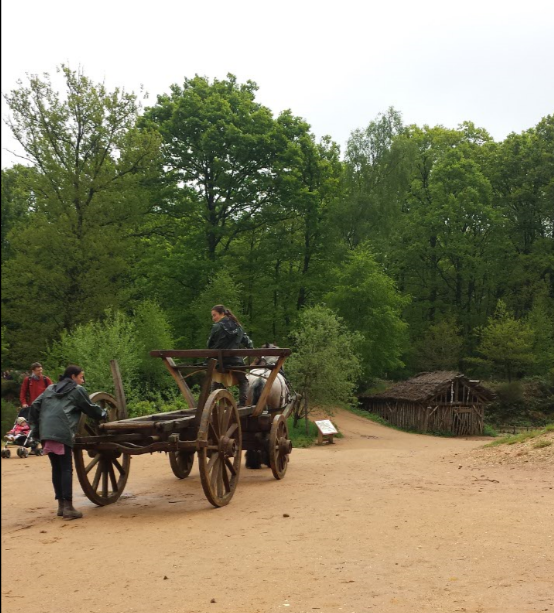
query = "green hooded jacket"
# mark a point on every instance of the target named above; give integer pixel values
(55, 414)
(228, 334)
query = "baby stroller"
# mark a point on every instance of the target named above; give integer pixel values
(19, 436)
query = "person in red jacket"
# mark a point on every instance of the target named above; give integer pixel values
(33, 386)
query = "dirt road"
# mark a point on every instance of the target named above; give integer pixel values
(381, 521)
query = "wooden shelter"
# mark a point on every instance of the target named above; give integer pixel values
(441, 401)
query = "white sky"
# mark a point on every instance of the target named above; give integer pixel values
(337, 64)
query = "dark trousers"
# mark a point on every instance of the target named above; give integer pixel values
(62, 474)
(243, 386)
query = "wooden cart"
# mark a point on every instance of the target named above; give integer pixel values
(213, 427)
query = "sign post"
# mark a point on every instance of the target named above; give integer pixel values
(325, 431)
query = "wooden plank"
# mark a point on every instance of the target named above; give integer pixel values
(119, 392)
(260, 405)
(214, 353)
(185, 389)
(206, 390)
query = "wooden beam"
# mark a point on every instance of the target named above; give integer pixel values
(180, 380)
(206, 390)
(119, 392)
(215, 353)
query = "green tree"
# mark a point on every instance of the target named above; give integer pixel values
(369, 303)
(153, 331)
(17, 201)
(219, 150)
(440, 348)
(73, 257)
(541, 322)
(507, 343)
(324, 366)
(374, 181)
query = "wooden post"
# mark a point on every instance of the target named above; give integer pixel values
(206, 389)
(306, 412)
(119, 392)
(185, 389)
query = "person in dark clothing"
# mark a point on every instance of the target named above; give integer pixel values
(54, 418)
(227, 333)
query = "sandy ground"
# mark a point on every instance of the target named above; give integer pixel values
(381, 521)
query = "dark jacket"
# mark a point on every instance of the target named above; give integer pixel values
(228, 334)
(55, 414)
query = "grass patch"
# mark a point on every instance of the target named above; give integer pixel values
(372, 417)
(298, 435)
(542, 444)
(488, 430)
(512, 439)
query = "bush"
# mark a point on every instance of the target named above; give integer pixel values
(324, 366)
(125, 339)
(529, 402)
(9, 413)
(10, 389)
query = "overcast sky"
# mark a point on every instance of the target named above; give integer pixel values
(337, 64)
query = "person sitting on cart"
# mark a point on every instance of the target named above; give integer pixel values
(227, 333)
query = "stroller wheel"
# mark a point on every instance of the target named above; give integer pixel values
(38, 451)
(6, 453)
(3, 453)
(25, 453)
(20, 452)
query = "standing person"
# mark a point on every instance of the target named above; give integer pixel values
(227, 333)
(32, 387)
(54, 418)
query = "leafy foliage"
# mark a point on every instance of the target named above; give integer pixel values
(324, 366)
(507, 343)
(412, 238)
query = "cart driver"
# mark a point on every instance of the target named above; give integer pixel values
(227, 333)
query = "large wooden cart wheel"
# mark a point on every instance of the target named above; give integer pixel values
(279, 447)
(220, 447)
(181, 463)
(102, 474)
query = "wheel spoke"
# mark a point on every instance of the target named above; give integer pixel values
(227, 418)
(112, 478)
(231, 430)
(105, 481)
(220, 470)
(231, 467)
(97, 476)
(92, 463)
(225, 478)
(215, 432)
(212, 461)
(119, 467)
(215, 472)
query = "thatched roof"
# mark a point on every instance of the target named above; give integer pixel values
(426, 385)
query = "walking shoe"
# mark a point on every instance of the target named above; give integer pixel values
(69, 512)
(60, 508)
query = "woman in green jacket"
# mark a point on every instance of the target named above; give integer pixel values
(54, 418)
(227, 333)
